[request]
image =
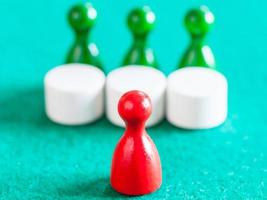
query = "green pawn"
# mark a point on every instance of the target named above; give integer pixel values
(82, 18)
(140, 21)
(198, 22)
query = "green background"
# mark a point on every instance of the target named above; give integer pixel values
(42, 160)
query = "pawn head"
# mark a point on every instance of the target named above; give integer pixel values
(199, 20)
(82, 16)
(134, 107)
(141, 20)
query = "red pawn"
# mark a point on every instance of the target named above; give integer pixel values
(136, 168)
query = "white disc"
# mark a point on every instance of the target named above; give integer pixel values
(74, 94)
(196, 98)
(133, 77)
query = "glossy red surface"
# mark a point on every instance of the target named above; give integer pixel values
(136, 167)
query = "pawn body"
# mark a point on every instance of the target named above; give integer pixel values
(140, 22)
(198, 23)
(136, 167)
(198, 54)
(84, 53)
(82, 18)
(139, 54)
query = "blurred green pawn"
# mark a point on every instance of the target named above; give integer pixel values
(140, 22)
(198, 22)
(82, 18)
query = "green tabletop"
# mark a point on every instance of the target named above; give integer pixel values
(42, 160)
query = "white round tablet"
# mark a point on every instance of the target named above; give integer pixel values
(135, 77)
(196, 98)
(74, 94)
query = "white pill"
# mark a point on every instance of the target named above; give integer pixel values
(196, 98)
(136, 77)
(74, 94)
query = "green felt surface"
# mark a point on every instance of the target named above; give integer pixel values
(42, 160)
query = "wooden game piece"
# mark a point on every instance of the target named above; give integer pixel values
(136, 77)
(136, 167)
(82, 18)
(198, 22)
(141, 22)
(74, 94)
(196, 98)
